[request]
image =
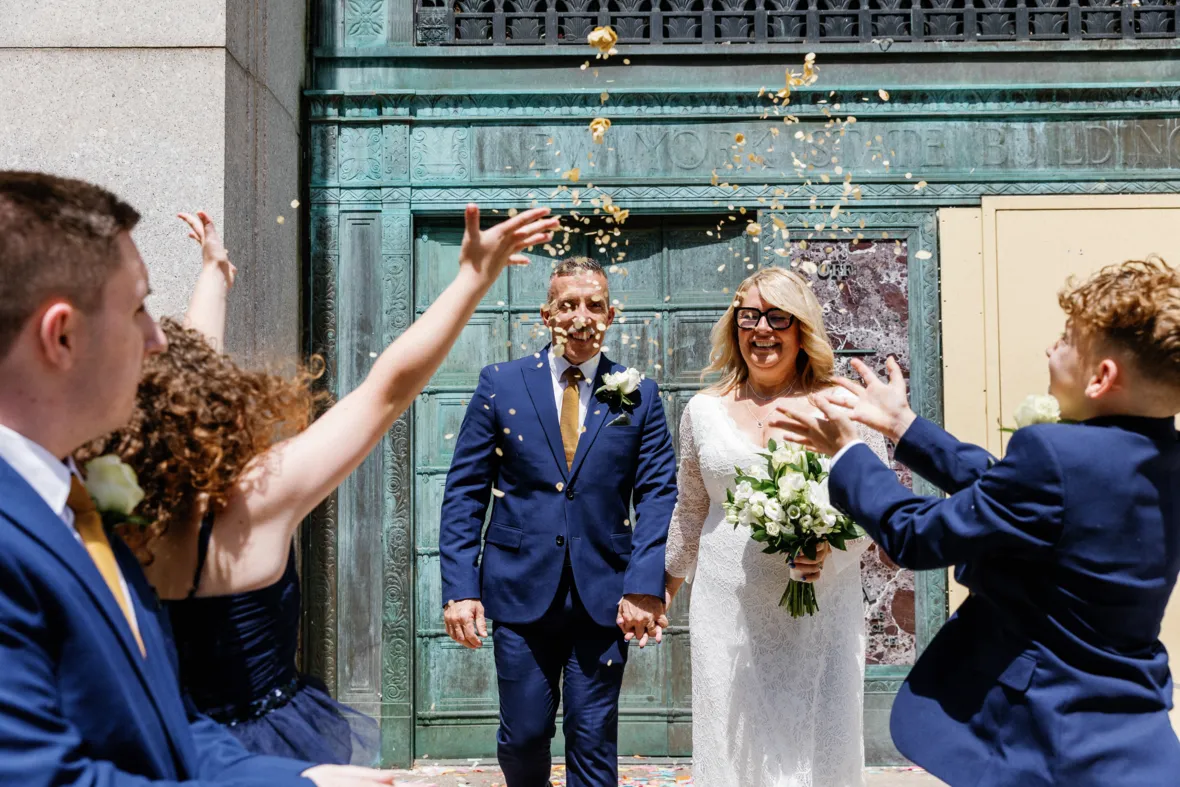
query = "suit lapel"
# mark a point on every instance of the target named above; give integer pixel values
(31, 514)
(596, 416)
(163, 681)
(538, 381)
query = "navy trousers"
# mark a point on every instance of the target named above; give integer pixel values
(564, 651)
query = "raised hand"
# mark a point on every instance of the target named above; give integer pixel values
(825, 433)
(485, 253)
(465, 623)
(213, 253)
(347, 776)
(640, 617)
(882, 407)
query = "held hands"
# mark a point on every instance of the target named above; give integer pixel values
(347, 776)
(213, 253)
(485, 253)
(465, 623)
(641, 616)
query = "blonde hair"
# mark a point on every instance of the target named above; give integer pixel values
(790, 292)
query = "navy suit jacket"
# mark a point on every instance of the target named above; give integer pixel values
(79, 705)
(510, 441)
(1051, 672)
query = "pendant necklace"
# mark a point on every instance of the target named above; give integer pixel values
(751, 395)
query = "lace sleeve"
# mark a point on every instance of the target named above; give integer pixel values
(692, 505)
(839, 560)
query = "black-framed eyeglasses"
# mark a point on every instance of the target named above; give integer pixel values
(778, 320)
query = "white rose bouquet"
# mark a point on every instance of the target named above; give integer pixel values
(785, 504)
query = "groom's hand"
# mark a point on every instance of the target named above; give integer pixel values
(639, 618)
(465, 622)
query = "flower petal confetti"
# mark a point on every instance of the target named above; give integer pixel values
(598, 129)
(603, 39)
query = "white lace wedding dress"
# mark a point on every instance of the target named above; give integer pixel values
(776, 701)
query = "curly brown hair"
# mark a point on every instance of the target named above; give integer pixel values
(1134, 307)
(199, 421)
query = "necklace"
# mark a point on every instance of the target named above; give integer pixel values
(754, 413)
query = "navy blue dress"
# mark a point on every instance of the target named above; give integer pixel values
(237, 662)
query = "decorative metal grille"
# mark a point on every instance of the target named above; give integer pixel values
(655, 22)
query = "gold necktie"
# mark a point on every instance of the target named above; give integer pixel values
(88, 523)
(570, 428)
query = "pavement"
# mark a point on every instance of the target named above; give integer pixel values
(632, 773)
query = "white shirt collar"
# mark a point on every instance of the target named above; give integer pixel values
(48, 475)
(558, 365)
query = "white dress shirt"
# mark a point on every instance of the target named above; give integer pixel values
(557, 367)
(50, 479)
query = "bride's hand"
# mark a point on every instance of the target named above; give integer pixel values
(811, 569)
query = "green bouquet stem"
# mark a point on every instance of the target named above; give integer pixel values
(799, 599)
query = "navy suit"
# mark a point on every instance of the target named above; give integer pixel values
(559, 553)
(1051, 672)
(78, 703)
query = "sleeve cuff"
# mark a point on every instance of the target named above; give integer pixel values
(844, 450)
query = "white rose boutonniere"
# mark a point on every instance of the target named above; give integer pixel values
(115, 489)
(1036, 409)
(620, 385)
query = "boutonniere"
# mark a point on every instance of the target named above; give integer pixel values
(620, 385)
(115, 489)
(1036, 409)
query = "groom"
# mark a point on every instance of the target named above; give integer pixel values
(567, 575)
(1051, 672)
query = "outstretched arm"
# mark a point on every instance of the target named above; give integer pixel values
(206, 308)
(248, 548)
(1016, 507)
(655, 498)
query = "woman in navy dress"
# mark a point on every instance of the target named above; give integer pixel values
(231, 462)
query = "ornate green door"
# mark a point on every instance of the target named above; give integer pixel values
(677, 276)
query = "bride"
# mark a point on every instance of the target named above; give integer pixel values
(776, 701)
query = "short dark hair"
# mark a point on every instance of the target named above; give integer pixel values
(57, 240)
(572, 266)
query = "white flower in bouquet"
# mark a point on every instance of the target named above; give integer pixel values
(757, 504)
(1037, 409)
(743, 492)
(787, 454)
(790, 485)
(773, 528)
(758, 473)
(774, 511)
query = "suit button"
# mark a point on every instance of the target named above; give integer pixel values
(569, 494)
(561, 541)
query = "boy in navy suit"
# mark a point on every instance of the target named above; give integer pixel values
(1051, 672)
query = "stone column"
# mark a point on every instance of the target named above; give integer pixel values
(175, 107)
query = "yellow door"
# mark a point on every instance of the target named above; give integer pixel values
(1001, 268)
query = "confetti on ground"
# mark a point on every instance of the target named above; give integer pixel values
(631, 774)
